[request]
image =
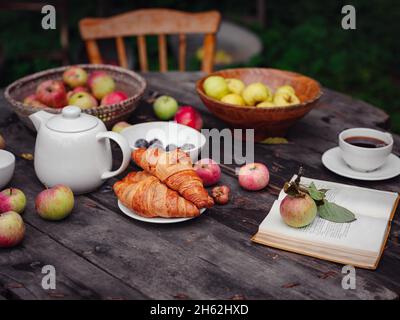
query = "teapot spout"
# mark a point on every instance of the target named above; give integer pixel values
(39, 118)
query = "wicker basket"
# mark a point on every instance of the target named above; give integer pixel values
(128, 81)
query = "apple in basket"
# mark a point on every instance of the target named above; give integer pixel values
(12, 229)
(76, 90)
(12, 199)
(55, 203)
(52, 93)
(114, 97)
(75, 77)
(33, 101)
(101, 84)
(83, 100)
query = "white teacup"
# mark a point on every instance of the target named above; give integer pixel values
(365, 159)
(7, 166)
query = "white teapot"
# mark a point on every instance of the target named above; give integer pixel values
(73, 148)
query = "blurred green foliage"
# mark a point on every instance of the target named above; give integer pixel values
(303, 36)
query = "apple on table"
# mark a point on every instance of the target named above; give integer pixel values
(12, 199)
(165, 107)
(55, 203)
(12, 229)
(253, 176)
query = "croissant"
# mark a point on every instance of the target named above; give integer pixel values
(149, 197)
(175, 169)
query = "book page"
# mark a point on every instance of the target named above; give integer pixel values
(361, 201)
(366, 233)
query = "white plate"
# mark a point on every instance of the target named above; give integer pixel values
(134, 215)
(333, 160)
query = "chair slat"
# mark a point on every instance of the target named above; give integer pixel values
(141, 42)
(209, 52)
(93, 52)
(149, 22)
(182, 52)
(162, 52)
(121, 51)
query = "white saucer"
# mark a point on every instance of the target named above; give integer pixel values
(134, 215)
(333, 160)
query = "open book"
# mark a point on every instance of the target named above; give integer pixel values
(359, 243)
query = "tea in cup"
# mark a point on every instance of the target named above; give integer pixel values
(365, 149)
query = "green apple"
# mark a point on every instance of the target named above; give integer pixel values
(235, 85)
(256, 92)
(286, 88)
(55, 203)
(215, 87)
(285, 99)
(165, 107)
(265, 104)
(233, 98)
(83, 100)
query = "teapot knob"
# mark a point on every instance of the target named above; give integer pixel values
(71, 112)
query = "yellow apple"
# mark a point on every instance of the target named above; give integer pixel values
(256, 92)
(285, 88)
(215, 87)
(266, 104)
(233, 98)
(285, 99)
(235, 85)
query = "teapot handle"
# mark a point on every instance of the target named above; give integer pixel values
(126, 152)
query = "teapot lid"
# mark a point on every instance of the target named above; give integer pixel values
(72, 119)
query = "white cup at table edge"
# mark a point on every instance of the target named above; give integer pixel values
(365, 159)
(7, 166)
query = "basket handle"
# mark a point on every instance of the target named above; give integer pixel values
(126, 151)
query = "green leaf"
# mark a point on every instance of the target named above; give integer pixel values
(314, 193)
(335, 213)
(276, 140)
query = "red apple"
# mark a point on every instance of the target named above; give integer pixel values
(12, 199)
(253, 176)
(55, 203)
(208, 170)
(101, 84)
(52, 93)
(12, 229)
(76, 90)
(188, 116)
(33, 101)
(114, 97)
(75, 77)
(83, 100)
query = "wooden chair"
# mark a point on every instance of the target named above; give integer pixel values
(159, 22)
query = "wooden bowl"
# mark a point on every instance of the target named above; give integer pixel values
(266, 121)
(128, 81)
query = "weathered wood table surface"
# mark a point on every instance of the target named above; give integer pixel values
(99, 253)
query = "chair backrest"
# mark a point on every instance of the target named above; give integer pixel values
(160, 22)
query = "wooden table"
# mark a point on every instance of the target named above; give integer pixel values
(100, 253)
